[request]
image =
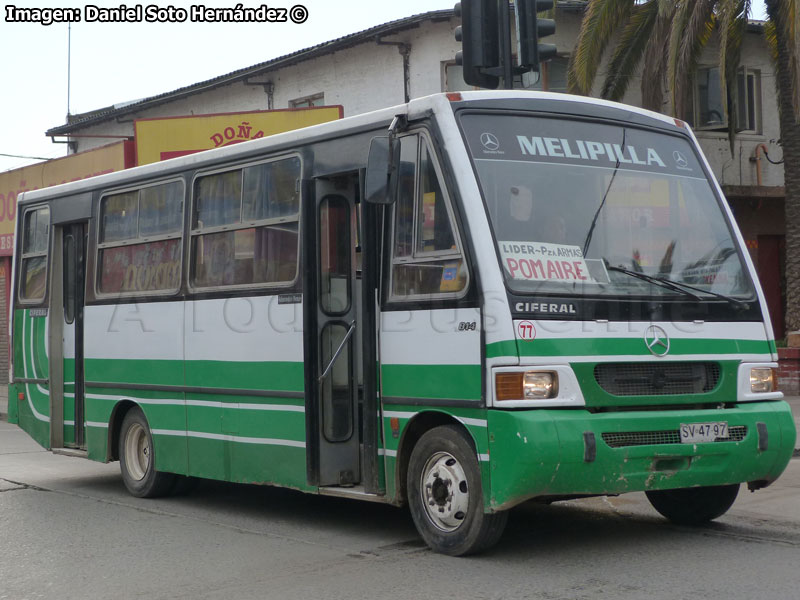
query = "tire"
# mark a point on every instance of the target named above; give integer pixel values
(694, 506)
(137, 458)
(445, 495)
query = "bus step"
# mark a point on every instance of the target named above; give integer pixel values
(357, 492)
(76, 452)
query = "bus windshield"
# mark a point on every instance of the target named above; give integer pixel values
(582, 207)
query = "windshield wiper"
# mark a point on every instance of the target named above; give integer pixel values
(677, 286)
(729, 299)
(593, 224)
(665, 283)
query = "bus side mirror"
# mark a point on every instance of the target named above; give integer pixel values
(381, 179)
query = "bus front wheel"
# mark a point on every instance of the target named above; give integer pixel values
(694, 506)
(137, 458)
(445, 495)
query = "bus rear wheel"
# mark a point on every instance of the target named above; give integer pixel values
(137, 458)
(694, 506)
(445, 494)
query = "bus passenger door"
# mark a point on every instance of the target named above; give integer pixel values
(74, 284)
(331, 305)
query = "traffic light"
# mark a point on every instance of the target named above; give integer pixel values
(530, 29)
(478, 34)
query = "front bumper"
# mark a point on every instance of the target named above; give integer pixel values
(536, 453)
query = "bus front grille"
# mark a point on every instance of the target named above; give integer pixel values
(655, 438)
(648, 379)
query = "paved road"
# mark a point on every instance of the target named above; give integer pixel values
(69, 530)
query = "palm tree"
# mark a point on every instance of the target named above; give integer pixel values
(783, 36)
(667, 37)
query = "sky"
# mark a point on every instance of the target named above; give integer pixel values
(111, 63)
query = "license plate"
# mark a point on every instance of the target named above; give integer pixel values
(693, 433)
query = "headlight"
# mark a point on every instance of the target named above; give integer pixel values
(538, 385)
(762, 380)
(528, 385)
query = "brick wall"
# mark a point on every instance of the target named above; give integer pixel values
(789, 371)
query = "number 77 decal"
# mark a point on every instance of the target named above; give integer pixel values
(526, 330)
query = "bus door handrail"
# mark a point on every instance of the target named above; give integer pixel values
(338, 352)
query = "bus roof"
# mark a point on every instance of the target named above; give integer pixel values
(436, 103)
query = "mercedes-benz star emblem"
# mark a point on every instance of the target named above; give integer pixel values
(656, 340)
(490, 142)
(680, 160)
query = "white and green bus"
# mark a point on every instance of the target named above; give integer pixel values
(460, 304)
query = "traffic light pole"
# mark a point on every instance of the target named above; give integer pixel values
(485, 35)
(504, 38)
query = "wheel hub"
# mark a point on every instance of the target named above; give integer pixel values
(445, 491)
(137, 452)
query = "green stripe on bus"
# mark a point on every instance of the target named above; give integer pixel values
(462, 382)
(506, 348)
(39, 349)
(17, 347)
(269, 375)
(142, 371)
(277, 375)
(623, 346)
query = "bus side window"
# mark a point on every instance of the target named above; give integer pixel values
(245, 226)
(434, 229)
(404, 207)
(33, 268)
(139, 246)
(427, 260)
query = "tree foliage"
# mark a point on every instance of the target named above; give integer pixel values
(662, 40)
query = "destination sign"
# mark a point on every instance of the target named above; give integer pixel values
(576, 142)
